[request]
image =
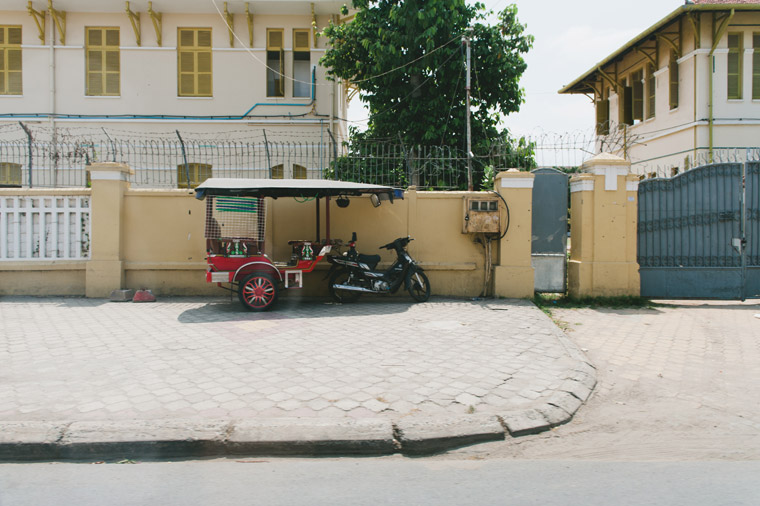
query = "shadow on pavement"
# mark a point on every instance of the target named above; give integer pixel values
(288, 309)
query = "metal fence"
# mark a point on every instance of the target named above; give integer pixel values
(183, 160)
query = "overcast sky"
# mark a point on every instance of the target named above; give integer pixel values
(571, 36)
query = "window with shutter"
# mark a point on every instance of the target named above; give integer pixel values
(102, 62)
(194, 62)
(734, 71)
(674, 80)
(637, 86)
(651, 91)
(275, 62)
(301, 64)
(10, 60)
(756, 66)
(602, 117)
(278, 171)
(10, 175)
(198, 173)
(627, 105)
(299, 171)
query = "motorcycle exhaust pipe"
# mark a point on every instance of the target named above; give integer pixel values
(354, 288)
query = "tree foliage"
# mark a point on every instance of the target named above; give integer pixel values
(408, 61)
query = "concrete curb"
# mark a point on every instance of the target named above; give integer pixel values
(172, 439)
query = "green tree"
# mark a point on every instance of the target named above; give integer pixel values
(407, 59)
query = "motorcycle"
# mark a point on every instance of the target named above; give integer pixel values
(353, 273)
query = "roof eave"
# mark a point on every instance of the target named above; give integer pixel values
(667, 20)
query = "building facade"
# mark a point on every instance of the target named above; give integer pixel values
(685, 92)
(89, 77)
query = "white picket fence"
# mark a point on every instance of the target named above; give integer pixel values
(44, 227)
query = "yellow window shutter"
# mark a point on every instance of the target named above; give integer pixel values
(204, 85)
(299, 171)
(94, 84)
(112, 61)
(300, 40)
(94, 61)
(187, 85)
(14, 35)
(112, 84)
(186, 38)
(94, 37)
(112, 37)
(204, 38)
(14, 59)
(204, 61)
(274, 39)
(187, 62)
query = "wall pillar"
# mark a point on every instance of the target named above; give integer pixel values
(603, 227)
(514, 275)
(105, 270)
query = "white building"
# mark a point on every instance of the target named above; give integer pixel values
(215, 71)
(684, 92)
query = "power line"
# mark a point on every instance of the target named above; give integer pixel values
(253, 55)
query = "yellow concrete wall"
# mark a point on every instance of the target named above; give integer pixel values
(515, 275)
(604, 230)
(163, 248)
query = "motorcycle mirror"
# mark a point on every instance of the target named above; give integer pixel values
(375, 200)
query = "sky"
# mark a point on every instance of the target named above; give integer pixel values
(571, 36)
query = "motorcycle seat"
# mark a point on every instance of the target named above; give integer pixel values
(370, 260)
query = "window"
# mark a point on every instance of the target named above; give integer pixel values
(735, 53)
(275, 63)
(10, 60)
(602, 116)
(102, 62)
(637, 85)
(198, 173)
(651, 91)
(301, 64)
(194, 62)
(299, 171)
(674, 78)
(756, 66)
(10, 174)
(278, 171)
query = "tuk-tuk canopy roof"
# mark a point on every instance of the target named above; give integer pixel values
(289, 188)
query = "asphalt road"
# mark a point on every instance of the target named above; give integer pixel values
(393, 480)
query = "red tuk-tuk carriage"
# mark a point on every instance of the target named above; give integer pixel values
(236, 225)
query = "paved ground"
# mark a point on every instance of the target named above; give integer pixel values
(678, 381)
(81, 359)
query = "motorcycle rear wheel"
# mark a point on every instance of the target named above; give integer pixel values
(341, 277)
(419, 287)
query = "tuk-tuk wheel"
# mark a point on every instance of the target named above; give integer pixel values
(258, 292)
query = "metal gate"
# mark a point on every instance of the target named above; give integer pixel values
(549, 235)
(699, 233)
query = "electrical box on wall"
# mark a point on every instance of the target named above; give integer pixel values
(481, 216)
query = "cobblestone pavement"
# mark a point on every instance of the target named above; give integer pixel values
(84, 359)
(678, 380)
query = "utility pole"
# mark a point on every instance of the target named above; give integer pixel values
(466, 42)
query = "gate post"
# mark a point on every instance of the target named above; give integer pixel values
(514, 275)
(105, 270)
(603, 229)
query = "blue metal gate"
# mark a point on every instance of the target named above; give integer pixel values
(699, 233)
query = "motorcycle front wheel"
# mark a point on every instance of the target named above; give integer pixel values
(419, 287)
(342, 277)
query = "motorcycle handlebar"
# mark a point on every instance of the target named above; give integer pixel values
(403, 241)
